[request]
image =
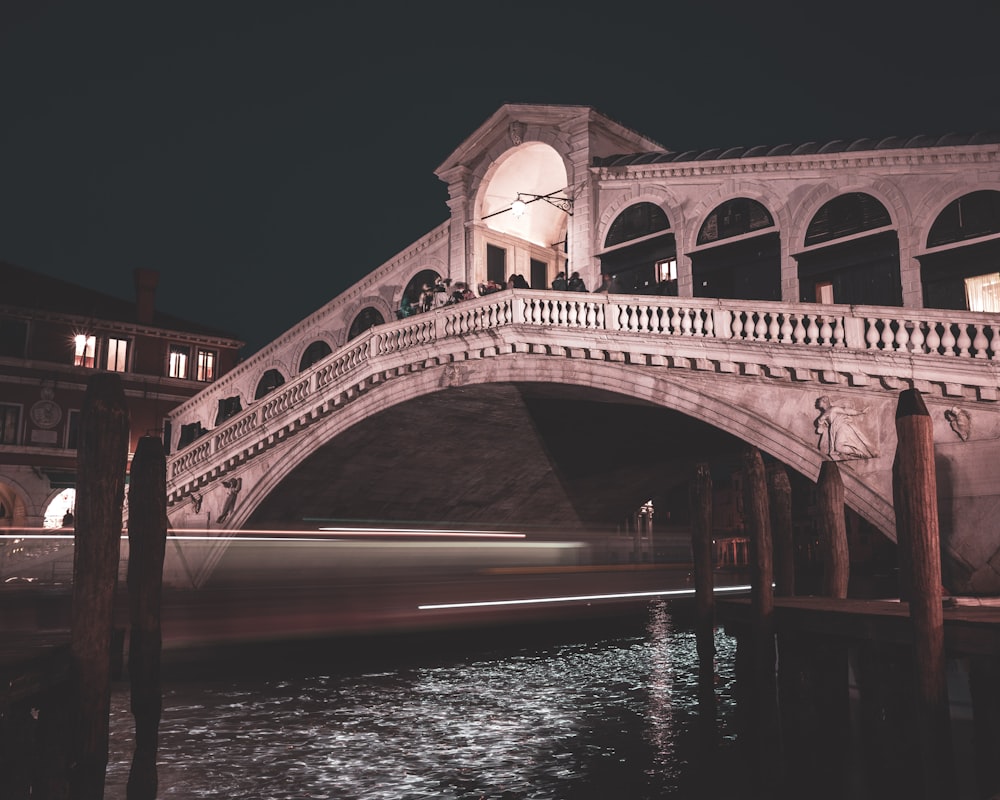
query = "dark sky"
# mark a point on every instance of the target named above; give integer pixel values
(264, 156)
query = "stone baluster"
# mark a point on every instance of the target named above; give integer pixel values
(785, 331)
(933, 338)
(903, 336)
(964, 341)
(873, 336)
(981, 344)
(686, 322)
(948, 340)
(737, 324)
(774, 327)
(812, 331)
(697, 329)
(838, 331)
(917, 337)
(799, 333)
(709, 326)
(825, 330)
(643, 318)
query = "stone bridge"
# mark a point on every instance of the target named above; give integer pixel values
(448, 416)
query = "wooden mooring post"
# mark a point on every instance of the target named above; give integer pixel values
(704, 594)
(915, 494)
(755, 654)
(147, 536)
(102, 463)
(813, 669)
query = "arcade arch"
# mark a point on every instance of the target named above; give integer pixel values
(851, 254)
(738, 253)
(640, 251)
(960, 269)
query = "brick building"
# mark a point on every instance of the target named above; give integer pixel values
(53, 336)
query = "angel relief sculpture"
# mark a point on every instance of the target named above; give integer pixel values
(840, 438)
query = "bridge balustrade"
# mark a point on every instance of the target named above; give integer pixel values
(923, 332)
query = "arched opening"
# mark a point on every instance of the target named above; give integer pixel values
(268, 382)
(366, 319)
(739, 255)
(640, 252)
(313, 353)
(528, 238)
(419, 283)
(61, 510)
(963, 269)
(862, 269)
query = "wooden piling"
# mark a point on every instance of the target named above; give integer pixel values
(102, 463)
(832, 530)
(764, 712)
(704, 579)
(915, 492)
(779, 497)
(147, 535)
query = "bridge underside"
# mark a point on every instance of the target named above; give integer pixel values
(502, 455)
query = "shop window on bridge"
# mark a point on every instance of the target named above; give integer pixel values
(969, 217)
(366, 319)
(635, 222)
(846, 215)
(982, 292)
(190, 433)
(958, 272)
(735, 217)
(228, 407)
(844, 266)
(316, 351)
(639, 250)
(269, 381)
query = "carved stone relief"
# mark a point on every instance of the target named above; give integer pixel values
(960, 422)
(840, 437)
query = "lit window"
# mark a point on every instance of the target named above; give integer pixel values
(10, 423)
(206, 365)
(666, 270)
(982, 292)
(824, 292)
(178, 367)
(85, 347)
(117, 355)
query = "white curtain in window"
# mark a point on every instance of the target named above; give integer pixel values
(982, 292)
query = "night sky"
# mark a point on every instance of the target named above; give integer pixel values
(264, 156)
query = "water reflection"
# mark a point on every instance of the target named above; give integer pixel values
(601, 712)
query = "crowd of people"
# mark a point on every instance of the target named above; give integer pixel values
(443, 292)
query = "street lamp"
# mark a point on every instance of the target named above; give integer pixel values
(518, 207)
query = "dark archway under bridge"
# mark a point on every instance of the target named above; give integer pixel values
(526, 454)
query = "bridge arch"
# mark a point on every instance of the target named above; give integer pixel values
(788, 434)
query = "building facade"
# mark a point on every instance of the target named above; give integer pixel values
(53, 336)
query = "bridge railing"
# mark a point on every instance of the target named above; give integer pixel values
(929, 332)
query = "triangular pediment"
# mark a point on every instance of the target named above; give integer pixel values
(512, 121)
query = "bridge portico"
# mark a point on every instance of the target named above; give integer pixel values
(761, 372)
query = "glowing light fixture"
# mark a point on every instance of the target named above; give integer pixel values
(519, 206)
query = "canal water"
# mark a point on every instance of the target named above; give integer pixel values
(594, 709)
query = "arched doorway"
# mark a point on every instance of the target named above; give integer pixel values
(367, 318)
